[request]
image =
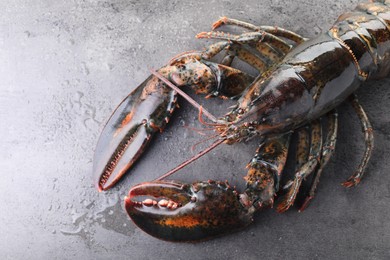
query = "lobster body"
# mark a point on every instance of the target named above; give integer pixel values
(293, 90)
(319, 74)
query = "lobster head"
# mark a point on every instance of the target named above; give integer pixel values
(173, 211)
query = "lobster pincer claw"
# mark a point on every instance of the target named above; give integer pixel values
(173, 211)
(130, 128)
(149, 107)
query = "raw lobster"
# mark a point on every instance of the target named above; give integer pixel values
(299, 82)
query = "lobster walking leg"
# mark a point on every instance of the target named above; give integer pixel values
(214, 49)
(327, 152)
(262, 47)
(271, 47)
(303, 147)
(314, 157)
(270, 54)
(255, 61)
(248, 38)
(228, 59)
(277, 31)
(260, 62)
(236, 50)
(233, 50)
(369, 139)
(264, 172)
(269, 35)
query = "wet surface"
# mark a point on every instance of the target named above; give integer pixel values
(65, 66)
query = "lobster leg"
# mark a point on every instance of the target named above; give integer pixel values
(261, 46)
(327, 152)
(236, 50)
(264, 172)
(314, 158)
(233, 50)
(302, 153)
(268, 54)
(369, 139)
(269, 35)
(214, 49)
(248, 38)
(277, 31)
(271, 49)
(228, 59)
(260, 62)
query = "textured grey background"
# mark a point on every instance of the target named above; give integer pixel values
(64, 67)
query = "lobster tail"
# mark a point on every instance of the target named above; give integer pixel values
(365, 32)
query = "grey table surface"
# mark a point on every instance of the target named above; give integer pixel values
(67, 64)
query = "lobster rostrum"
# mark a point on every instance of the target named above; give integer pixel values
(300, 83)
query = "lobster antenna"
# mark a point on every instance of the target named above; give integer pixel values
(184, 95)
(194, 158)
(209, 137)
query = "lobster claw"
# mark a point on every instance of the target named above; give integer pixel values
(148, 108)
(173, 211)
(130, 128)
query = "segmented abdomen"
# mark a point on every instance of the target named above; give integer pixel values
(365, 32)
(319, 74)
